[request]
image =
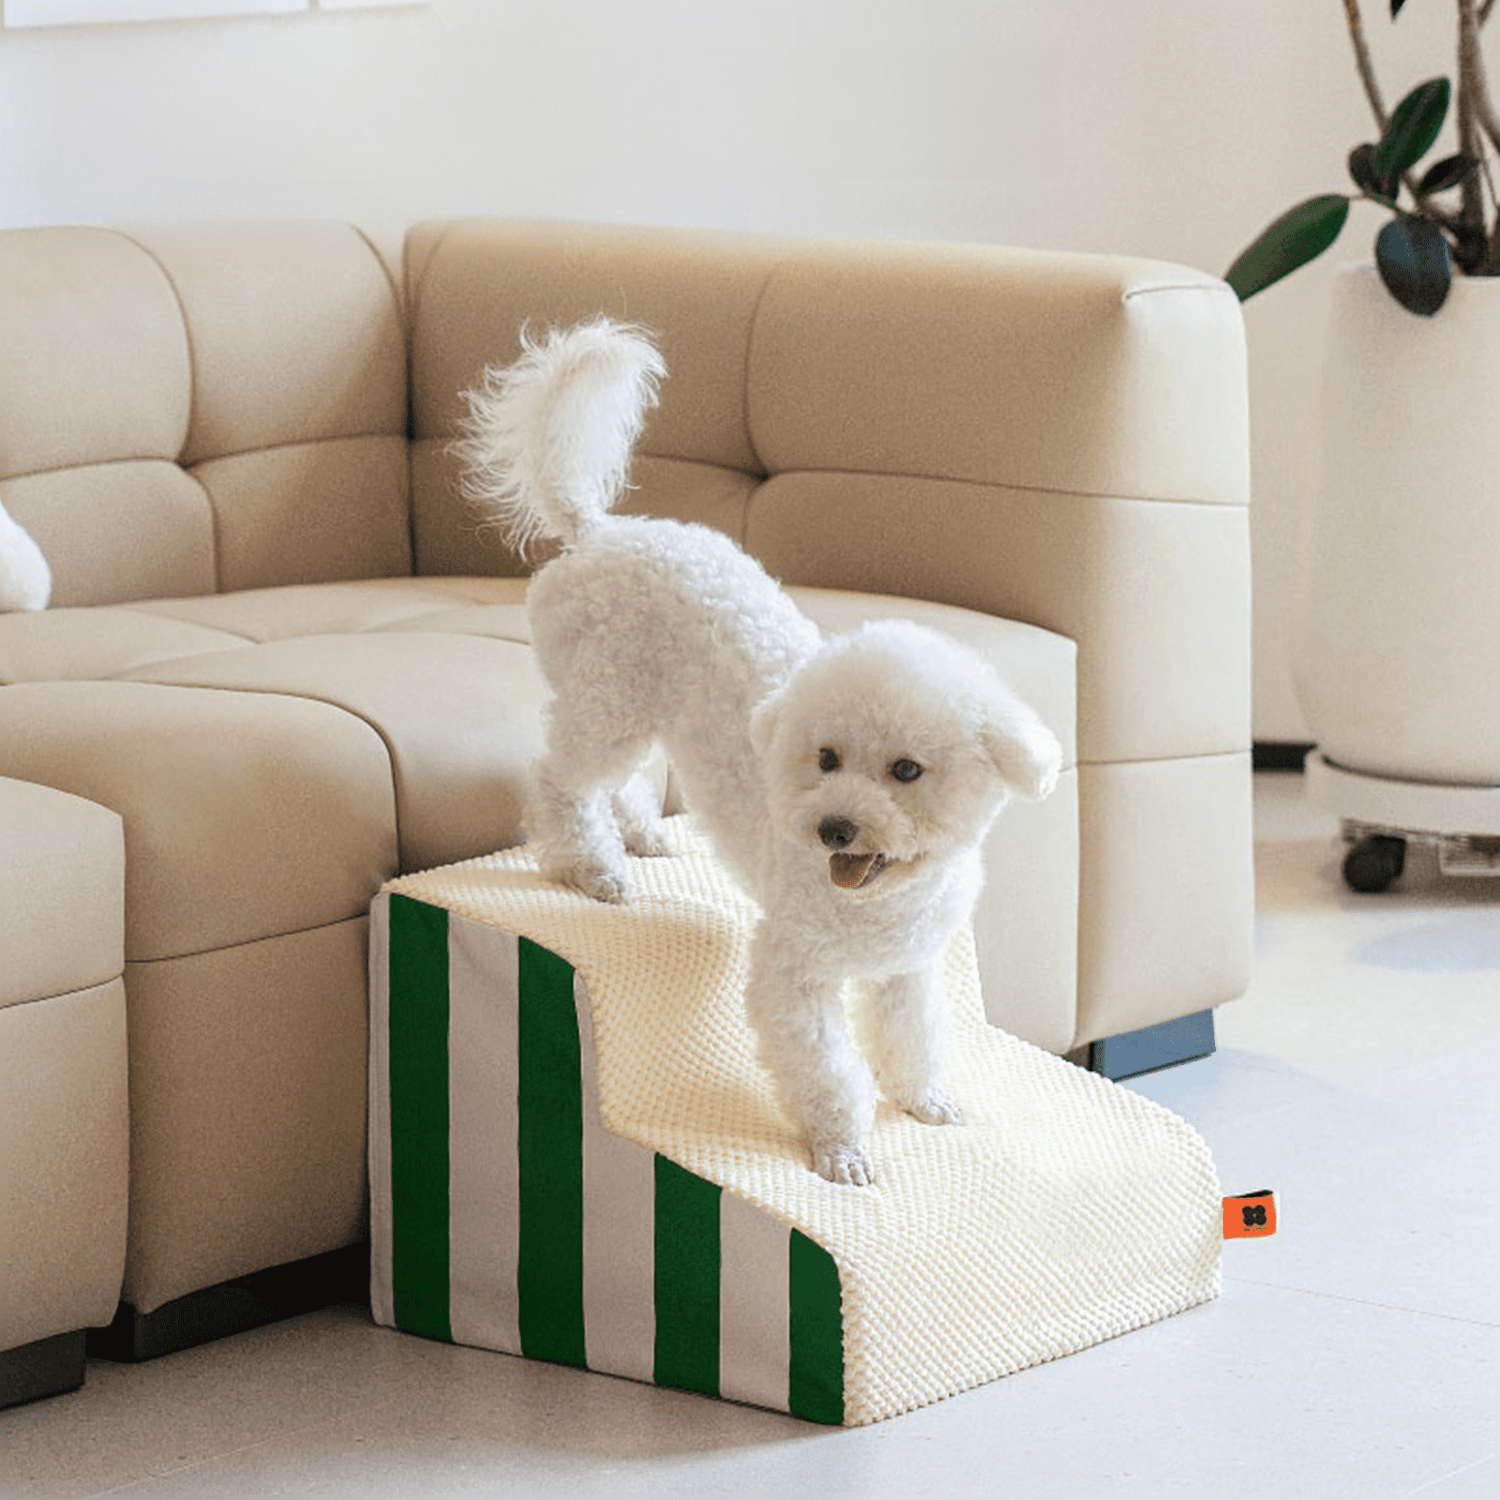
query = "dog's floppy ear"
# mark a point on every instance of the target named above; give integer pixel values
(1023, 750)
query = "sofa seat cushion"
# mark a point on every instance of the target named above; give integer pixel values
(496, 607)
(435, 668)
(460, 717)
(337, 732)
(95, 644)
(246, 815)
(113, 641)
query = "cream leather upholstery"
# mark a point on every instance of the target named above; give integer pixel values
(293, 662)
(63, 1125)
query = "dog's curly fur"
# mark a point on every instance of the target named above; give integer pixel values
(847, 783)
(25, 578)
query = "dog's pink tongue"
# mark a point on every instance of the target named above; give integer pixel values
(850, 870)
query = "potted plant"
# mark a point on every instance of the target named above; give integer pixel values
(1417, 250)
(1397, 641)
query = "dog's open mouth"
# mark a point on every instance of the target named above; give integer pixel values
(852, 871)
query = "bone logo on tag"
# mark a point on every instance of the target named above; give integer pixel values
(1250, 1216)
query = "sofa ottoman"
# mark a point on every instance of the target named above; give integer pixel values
(63, 1109)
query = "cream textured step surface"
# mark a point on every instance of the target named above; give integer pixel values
(576, 1156)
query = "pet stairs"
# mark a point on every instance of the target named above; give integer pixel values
(575, 1157)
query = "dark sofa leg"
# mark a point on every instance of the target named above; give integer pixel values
(1153, 1047)
(46, 1368)
(235, 1306)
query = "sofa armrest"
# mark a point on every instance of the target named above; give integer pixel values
(1050, 438)
(64, 1121)
(62, 889)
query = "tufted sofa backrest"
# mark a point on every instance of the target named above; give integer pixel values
(1056, 439)
(471, 287)
(202, 409)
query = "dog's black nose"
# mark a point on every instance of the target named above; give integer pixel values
(838, 833)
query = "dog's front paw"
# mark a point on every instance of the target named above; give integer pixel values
(929, 1105)
(842, 1163)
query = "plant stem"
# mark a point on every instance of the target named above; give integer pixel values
(1476, 112)
(1471, 67)
(1377, 104)
(1477, 108)
(1366, 63)
(1471, 200)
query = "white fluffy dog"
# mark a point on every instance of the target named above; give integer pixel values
(847, 782)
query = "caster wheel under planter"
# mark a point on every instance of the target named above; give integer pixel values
(1374, 862)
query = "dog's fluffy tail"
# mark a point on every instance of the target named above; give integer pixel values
(547, 440)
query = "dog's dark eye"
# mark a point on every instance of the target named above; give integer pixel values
(906, 770)
(828, 760)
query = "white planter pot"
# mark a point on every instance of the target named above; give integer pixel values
(1397, 649)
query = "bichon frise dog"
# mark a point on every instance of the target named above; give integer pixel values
(847, 782)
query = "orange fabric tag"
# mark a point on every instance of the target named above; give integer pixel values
(1251, 1216)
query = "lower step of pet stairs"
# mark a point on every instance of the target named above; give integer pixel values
(576, 1157)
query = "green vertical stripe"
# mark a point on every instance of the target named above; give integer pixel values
(815, 1383)
(687, 1280)
(549, 1272)
(418, 1040)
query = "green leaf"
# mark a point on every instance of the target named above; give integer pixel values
(1396, 8)
(1413, 128)
(1415, 263)
(1298, 236)
(1447, 173)
(1362, 170)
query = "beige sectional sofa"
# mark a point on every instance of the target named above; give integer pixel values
(284, 661)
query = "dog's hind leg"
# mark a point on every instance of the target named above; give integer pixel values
(637, 807)
(579, 839)
(571, 809)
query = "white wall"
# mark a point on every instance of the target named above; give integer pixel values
(1167, 128)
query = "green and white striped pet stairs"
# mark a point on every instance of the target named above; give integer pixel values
(575, 1157)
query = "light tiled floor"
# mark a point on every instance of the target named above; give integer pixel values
(1353, 1355)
